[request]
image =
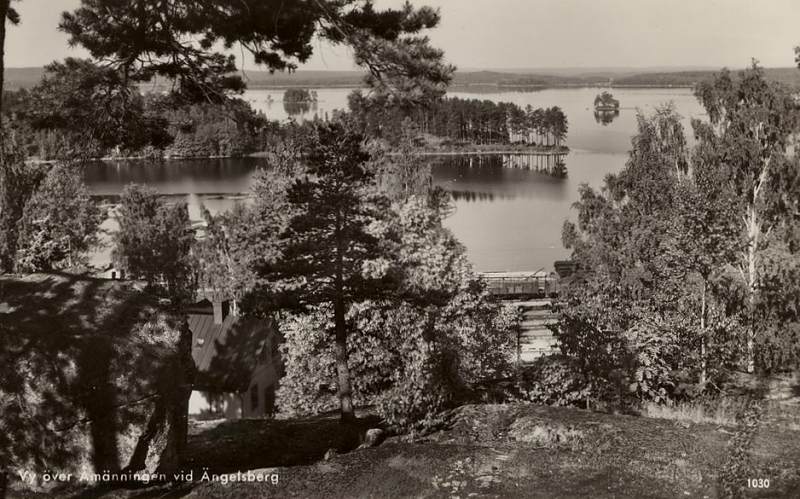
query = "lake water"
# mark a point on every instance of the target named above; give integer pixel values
(508, 218)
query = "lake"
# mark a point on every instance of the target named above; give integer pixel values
(509, 218)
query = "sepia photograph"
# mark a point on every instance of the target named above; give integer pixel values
(418, 249)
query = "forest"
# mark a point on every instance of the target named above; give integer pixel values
(467, 121)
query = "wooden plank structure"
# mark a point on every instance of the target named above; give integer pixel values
(531, 292)
(524, 284)
(535, 338)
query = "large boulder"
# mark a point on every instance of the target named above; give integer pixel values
(96, 378)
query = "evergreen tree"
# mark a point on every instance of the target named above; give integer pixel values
(93, 110)
(60, 223)
(179, 40)
(18, 182)
(154, 242)
(335, 249)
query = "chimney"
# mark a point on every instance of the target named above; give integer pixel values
(220, 311)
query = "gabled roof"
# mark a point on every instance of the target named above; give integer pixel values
(227, 354)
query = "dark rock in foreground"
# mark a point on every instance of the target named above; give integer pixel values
(94, 379)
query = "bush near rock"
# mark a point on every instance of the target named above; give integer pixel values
(96, 377)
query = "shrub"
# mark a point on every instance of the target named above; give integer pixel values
(59, 224)
(412, 362)
(553, 380)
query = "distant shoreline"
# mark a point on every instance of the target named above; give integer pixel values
(467, 85)
(465, 150)
(16, 78)
(490, 153)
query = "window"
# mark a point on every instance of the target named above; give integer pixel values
(276, 353)
(254, 397)
(269, 400)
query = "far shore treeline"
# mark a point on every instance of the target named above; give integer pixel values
(170, 129)
(17, 78)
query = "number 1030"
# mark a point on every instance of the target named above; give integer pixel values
(758, 483)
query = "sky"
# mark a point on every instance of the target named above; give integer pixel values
(516, 34)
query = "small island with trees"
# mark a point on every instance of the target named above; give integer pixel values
(606, 102)
(299, 101)
(606, 108)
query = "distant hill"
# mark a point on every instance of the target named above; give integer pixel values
(577, 77)
(787, 76)
(16, 78)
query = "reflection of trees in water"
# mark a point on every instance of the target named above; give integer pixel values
(549, 164)
(605, 117)
(299, 108)
(477, 196)
(165, 175)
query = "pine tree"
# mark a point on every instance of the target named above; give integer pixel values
(154, 242)
(336, 249)
(188, 41)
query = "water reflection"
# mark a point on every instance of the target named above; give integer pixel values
(295, 109)
(551, 164)
(224, 176)
(498, 177)
(469, 196)
(605, 117)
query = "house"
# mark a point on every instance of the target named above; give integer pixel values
(110, 271)
(238, 363)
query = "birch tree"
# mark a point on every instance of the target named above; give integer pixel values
(750, 121)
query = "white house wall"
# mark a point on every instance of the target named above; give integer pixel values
(199, 404)
(264, 376)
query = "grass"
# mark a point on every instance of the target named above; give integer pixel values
(512, 451)
(720, 411)
(782, 402)
(517, 451)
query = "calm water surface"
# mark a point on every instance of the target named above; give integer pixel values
(508, 218)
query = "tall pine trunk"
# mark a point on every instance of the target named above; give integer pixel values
(340, 324)
(345, 390)
(4, 6)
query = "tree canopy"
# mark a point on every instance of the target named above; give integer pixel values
(744, 145)
(60, 222)
(92, 109)
(685, 259)
(334, 249)
(189, 41)
(154, 241)
(638, 313)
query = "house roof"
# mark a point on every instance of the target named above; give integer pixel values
(227, 354)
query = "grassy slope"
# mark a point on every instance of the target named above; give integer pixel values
(568, 453)
(509, 451)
